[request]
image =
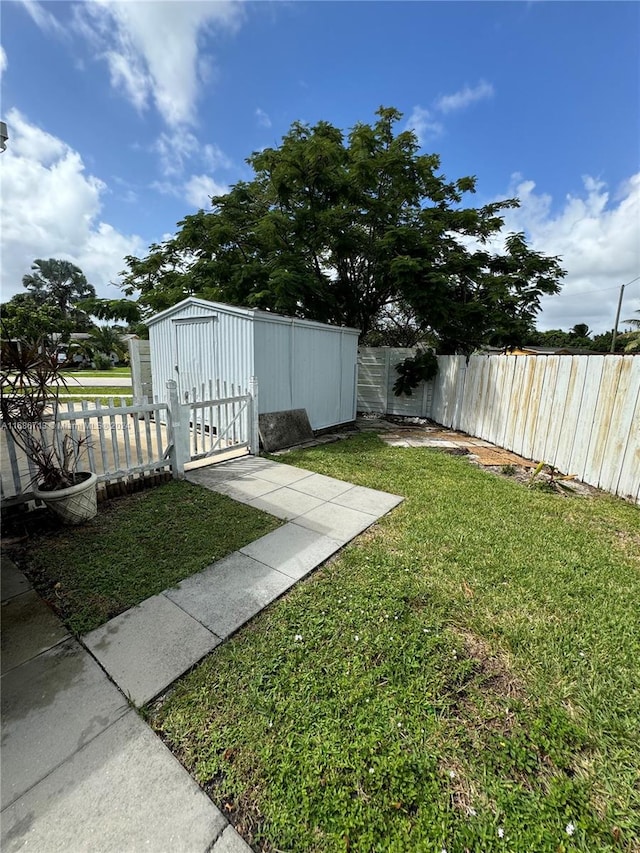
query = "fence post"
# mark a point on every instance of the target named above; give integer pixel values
(254, 436)
(180, 452)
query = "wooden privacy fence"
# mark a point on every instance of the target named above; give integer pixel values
(376, 378)
(125, 443)
(580, 413)
(140, 361)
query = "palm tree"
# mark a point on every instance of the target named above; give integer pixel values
(58, 283)
(103, 341)
(632, 338)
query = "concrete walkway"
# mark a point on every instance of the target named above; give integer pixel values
(80, 769)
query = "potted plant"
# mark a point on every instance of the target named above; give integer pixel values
(30, 383)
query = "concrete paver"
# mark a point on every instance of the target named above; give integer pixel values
(51, 706)
(320, 486)
(244, 489)
(29, 627)
(230, 842)
(81, 770)
(13, 581)
(282, 475)
(248, 464)
(292, 549)
(286, 503)
(123, 791)
(368, 500)
(147, 647)
(336, 522)
(228, 593)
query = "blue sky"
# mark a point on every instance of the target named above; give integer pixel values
(124, 117)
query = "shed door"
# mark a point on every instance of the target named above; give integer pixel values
(194, 354)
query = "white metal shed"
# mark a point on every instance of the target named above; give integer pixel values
(299, 364)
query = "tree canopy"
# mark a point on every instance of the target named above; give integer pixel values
(51, 304)
(360, 231)
(59, 300)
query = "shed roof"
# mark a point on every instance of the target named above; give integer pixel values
(253, 313)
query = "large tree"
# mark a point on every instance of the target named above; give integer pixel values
(353, 231)
(24, 317)
(58, 284)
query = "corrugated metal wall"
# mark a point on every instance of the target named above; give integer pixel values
(299, 364)
(310, 366)
(203, 343)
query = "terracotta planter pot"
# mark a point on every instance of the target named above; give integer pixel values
(74, 504)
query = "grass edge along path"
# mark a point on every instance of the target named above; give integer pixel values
(136, 547)
(460, 678)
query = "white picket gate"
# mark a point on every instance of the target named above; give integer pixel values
(220, 418)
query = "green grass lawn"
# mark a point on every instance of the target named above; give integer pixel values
(113, 373)
(465, 676)
(136, 547)
(94, 393)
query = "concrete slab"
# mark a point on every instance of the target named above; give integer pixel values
(231, 842)
(223, 472)
(335, 521)
(211, 477)
(124, 791)
(29, 627)
(147, 647)
(366, 500)
(292, 549)
(51, 707)
(249, 464)
(319, 486)
(282, 475)
(12, 581)
(245, 489)
(229, 593)
(285, 503)
(284, 429)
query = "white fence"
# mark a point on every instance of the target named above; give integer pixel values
(580, 414)
(220, 418)
(140, 361)
(126, 442)
(376, 378)
(120, 442)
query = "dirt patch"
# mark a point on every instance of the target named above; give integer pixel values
(491, 456)
(494, 669)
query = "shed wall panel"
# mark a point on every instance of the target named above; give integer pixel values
(298, 364)
(195, 345)
(272, 366)
(306, 366)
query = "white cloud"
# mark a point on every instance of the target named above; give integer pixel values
(152, 49)
(43, 18)
(423, 124)
(214, 157)
(180, 150)
(51, 209)
(463, 98)
(598, 241)
(3, 60)
(200, 188)
(175, 150)
(263, 118)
